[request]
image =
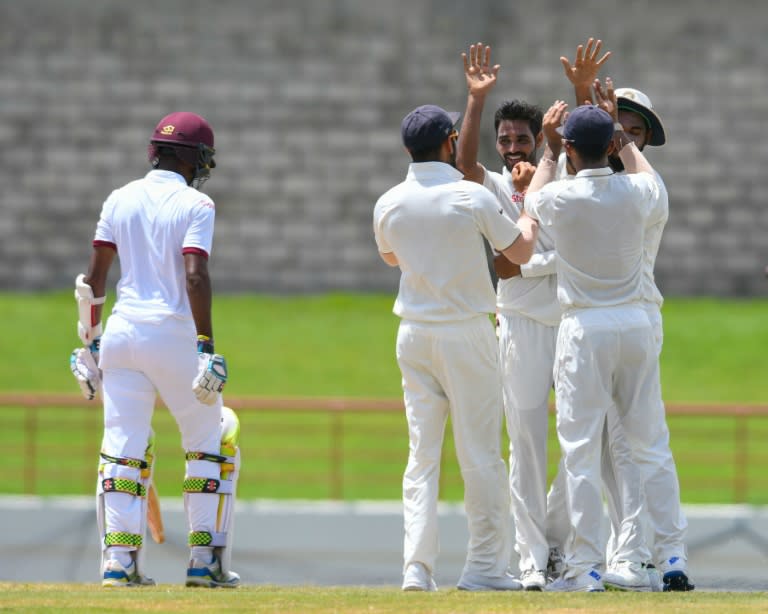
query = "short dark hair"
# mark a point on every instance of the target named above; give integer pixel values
(590, 153)
(511, 110)
(427, 155)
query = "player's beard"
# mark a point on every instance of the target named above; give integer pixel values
(510, 164)
(616, 164)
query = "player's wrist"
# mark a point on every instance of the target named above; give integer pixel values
(204, 344)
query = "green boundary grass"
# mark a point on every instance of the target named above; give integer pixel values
(287, 600)
(343, 345)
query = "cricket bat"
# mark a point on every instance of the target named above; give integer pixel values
(154, 516)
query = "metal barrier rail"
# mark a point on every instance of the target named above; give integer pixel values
(321, 448)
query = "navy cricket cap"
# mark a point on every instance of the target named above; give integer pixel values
(588, 125)
(426, 127)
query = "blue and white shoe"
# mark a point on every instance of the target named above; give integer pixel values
(675, 576)
(588, 582)
(115, 575)
(628, 576)
(210, 575)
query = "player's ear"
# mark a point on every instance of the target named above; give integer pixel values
(539, 139)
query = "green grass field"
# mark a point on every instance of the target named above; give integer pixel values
(337, 600)
(341, 345)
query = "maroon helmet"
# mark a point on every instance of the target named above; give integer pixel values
(191, 139)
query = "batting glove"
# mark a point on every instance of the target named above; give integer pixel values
(83, 362)
(211, 377)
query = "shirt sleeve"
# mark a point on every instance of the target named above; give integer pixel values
(378, 215)
(104, 234)
(540, 265)
(539, 205)
(500, 231)
(199, 235)
(651, 195)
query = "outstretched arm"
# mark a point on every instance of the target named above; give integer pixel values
(583, 72)
(522, 248)
(481, 78)
(546, 171)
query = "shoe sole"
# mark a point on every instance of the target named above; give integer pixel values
(676, 581)
(534, 588)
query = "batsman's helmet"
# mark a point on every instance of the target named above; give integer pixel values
(191, 139)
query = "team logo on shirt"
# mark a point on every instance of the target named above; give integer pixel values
(517, 197)
(167, 130)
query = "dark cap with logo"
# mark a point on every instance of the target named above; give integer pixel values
(426, 127)
(588, 126)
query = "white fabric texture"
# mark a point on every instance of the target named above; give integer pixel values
(598, 220)
(434, 222)
(603, 356)
(534, 292)
(452, 370)
(527, 356)
(140, 360)
(150, 221)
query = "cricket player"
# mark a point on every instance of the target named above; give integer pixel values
(159, 340)
(628, 496)
(432, 226)
(605, 342)
(527, 308)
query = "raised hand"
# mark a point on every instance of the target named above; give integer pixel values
(606, 98)
(586, 65)
(553, 119)
(480, 75)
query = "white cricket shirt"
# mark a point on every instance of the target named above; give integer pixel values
(434, 222)
(598, 219)
(534, 293)
(653, 232)
(152, 222)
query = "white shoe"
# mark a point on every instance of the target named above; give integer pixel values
(533, 579)
(210, 575)
(477, 582)
(627, 576)
(675, 576)
(654, 577)
(555, 564)
(418, 578)
(115, 574)
(588, 582)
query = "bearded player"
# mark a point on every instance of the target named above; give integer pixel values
(527, 308)
(159, 340)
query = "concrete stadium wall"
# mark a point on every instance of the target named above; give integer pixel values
(306, 100)
(55, 539)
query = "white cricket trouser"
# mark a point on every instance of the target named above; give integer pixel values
(527, 356)
(662, 487)
(604, 356)
(453, 369)
(139, 361)
(558, 522)
(664, 523)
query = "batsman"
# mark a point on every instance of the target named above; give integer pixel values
(158, 340)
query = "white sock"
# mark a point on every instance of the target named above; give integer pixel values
(121, 555)
(203, 554)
